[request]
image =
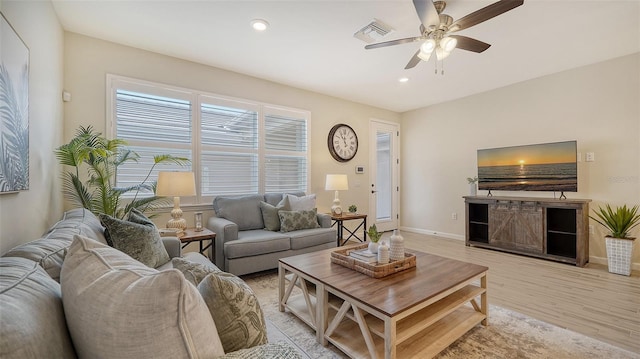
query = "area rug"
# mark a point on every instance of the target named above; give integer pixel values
(509, 334)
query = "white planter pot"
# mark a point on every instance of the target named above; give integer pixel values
(373, 247)
(473, 189)
(619, 253)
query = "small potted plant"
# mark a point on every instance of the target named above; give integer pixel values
(374, 237)
(353, 208)
(618, 243)
(473, 189)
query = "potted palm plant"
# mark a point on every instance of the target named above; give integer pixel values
(618, 243)
(89, 152)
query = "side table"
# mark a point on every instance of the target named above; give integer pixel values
(190, 235)
(338, 221)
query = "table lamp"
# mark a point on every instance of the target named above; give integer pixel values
(336, 183)
(176, 184)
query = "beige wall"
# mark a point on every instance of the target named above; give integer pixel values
(26, 215)
(597, 105)
(88, 60)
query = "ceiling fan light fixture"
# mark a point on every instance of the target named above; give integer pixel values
(259, 24)
(428, 46)
(448, 44)
(441, 53)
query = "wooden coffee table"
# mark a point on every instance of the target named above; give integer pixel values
(412, 314)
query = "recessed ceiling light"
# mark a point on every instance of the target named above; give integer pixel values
(259, 24)
(403, 79)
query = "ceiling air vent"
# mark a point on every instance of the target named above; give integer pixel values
(373, 32)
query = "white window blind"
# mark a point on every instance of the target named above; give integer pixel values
(229, 140)
(236, 146)
(285, 154)
(151, 125)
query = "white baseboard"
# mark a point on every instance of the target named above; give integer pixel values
(592, 259)
(433, 233)
(603, 261)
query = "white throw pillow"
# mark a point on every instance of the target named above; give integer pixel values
(116, 307)
(304, 203)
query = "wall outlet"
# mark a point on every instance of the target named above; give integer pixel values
(454, 216)
(591, 157)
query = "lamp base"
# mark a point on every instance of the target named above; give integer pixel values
(179, 223)
(336, 209)
(176, 220)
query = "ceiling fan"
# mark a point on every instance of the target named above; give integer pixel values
(436, 29)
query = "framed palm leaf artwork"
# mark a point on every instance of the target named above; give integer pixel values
(14, 110)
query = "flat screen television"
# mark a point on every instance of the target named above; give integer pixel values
(541, 167)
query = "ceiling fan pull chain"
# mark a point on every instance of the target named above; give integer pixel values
(435, 71)
(442, 68)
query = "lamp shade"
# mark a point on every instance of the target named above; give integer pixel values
(337, 183)
(176, 184)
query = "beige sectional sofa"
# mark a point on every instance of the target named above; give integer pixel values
(38, 320)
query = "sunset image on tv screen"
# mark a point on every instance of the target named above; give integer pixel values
(543, 167)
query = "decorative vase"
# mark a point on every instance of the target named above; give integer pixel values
(373, 247)
(473, 189)
(397, 246)
(619, 252)
(383, 253)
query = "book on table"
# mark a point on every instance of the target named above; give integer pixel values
(364, 255)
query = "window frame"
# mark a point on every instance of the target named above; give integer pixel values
(196, 99)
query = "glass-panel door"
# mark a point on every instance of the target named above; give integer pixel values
(384, 175)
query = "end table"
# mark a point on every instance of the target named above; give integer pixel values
(338, 221)
(190, 235)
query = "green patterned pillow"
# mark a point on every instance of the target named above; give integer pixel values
(295, 220)
(193, 272)
(140, 241)
(235, 310)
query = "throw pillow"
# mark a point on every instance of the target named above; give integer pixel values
(140, 241)
(295, 220)
(270, 214)
(236, 311)
(193, 272)
(115, 307)
(304, 203)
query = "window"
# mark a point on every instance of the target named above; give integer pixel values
(235, 146)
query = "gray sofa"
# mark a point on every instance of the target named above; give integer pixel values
(33, 321)
(243, 245)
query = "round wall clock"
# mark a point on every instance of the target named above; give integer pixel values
(342, 142)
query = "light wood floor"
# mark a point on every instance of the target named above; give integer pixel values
(587, 300)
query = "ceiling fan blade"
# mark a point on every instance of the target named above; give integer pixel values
(469, 44)
(392, 42)
(414, 61)
(485, 14)
(427, 12)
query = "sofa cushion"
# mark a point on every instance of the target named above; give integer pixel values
(32, 321)
(139, 238)
(297, 220)
(256, 242)
(194, 272)
(118, 308)
(275, 198)
(50, 250)
(304, 203)
(312, 237)
(236, 311)
(241, 210)
(270, 215)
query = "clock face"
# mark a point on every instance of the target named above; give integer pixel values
(343, 142)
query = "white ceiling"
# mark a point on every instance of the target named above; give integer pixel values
(310, 43)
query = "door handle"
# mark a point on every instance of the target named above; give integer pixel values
(372, 191)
